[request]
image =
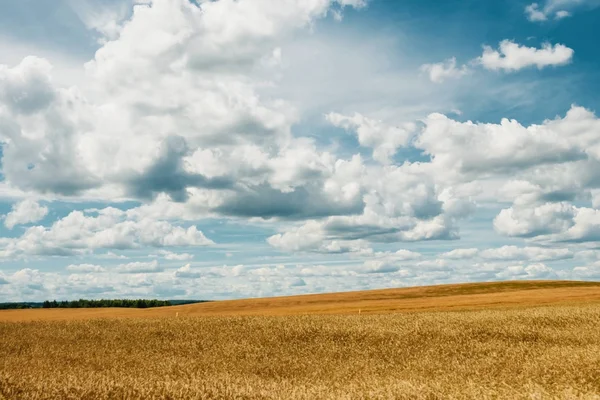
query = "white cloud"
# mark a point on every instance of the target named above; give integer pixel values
(532, 271)
(562, 14)
(112, 255)
(512, 56)
(589, 272)
(139, 267)
(554, 222)
(534, 14)
(168, 255)
(584, 227)
(24, 212)
(509, 147)
(380, 267)
(85, 268)
(439, 72)
(388, 262)
(541, 220)
(203, 63)
(459, 254)
(526, 253)
(221, 132)
(383, 139)
(555, 9)
(187, 272)
(110, 229)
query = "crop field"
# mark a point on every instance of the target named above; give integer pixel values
(480, 349)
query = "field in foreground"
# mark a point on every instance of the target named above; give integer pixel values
(537, 339)
(519, 353)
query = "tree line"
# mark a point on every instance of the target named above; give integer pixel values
(19, 306)
(121, 303)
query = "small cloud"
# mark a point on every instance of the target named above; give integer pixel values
(25, 212)
(168, 255)
(562, 14)
(186, 272)
(111, 255)
(534, 13)
(83, 268)
(380, 267)
(557, 9)
(139, 267)
(439, 72)
(512, 56)
(459, 254)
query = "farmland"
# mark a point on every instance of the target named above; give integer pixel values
(502, 340)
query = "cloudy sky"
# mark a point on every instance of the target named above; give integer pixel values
(225, 149)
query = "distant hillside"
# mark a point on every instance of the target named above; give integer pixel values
(470, 296)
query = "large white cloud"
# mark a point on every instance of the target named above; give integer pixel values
(79, 232)
(173, 114)
(126, 137)
(509, 146)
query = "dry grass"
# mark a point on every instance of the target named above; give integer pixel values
(472, 296)
(514, 352)
(536, 353)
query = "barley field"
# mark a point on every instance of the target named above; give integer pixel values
(528, 352)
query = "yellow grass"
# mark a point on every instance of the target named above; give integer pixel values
(513, 352)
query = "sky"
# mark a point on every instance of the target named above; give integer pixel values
(198, 149)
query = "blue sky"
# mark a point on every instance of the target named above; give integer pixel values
(227, 149)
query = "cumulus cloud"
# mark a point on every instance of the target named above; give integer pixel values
(526, 253)
(459, 254)
(383, 139)
(85, 268)
(205, 140)
(168, 255)
(541, 220)
(510, 253)
(532, 271)
(24, 212)
(554, 222)
(40, 130)
(139, 267)
(110, 229)
(202, 104)
(187, 272)
(584, 227)
(380, 267)
(509, 146)
(388, 262)
(512, 56)
(590, 271)
(439, 72)
(555, 9)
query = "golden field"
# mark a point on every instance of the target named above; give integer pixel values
(546, 345)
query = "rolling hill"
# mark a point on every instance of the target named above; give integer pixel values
(425, 298)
